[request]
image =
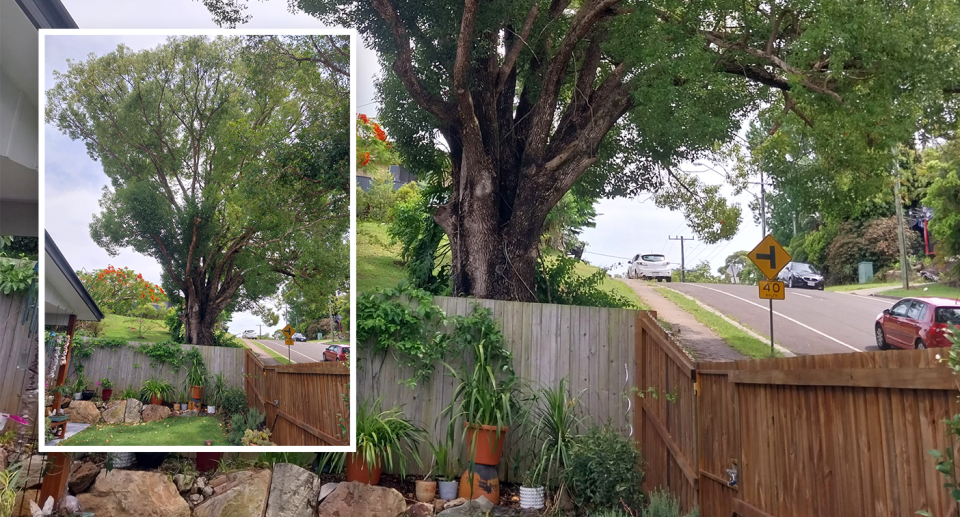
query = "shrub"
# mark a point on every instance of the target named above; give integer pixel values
(241, 422)
(662, 504)
(376, 204)
(260, 437)
(558, 282)
(604, 472)
(234, 401)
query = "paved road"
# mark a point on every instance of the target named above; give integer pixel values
(301, 352)
(807, 322)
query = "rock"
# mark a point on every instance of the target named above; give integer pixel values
(152, 413)
(83, 476)
(206, 492)
(420, 510)
(192, 412)
(201, 482)
(325, 490)
(460, 501)
(83, 412)
(208, 442)
(438, 505)
(196, 498)
(70, 504)
(476, 508)
(21, 508)
(30, 471)
(293, 492)
(237, 494)
(130, 492)
(115, 412)
(183, 482)
(132, 413)
(356, 498)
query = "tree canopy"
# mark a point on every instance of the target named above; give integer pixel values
(228, 161)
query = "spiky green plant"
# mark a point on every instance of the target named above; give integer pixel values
(557, 417)
(10, 484)
(382, 436)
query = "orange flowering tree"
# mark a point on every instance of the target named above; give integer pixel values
(120, 290)
(372, 144)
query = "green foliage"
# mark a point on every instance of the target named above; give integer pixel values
(700, 273)
(11, 481)
(256, 437)
(234, 401)
(604, 471)
(945, 461)
(159, 388)
(446, 462)
(241, 422)
(382, 436)
(130, 393)
(376, 204)
(557, 417)
(174, 322)
(873, 241)
(558, 282)
(300, 459)
(749, 272)
(18, 247)
(197, 374)
(664, 504)
(105, 383)
(216, 389)
(943, 195)
(121, 291)
(16, 275)
(423, 245)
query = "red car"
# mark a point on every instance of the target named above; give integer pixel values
(917, 323)
(336, 353)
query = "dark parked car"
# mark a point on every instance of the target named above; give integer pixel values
(299, 337)
(800, 274)
(917, 323)
(336, 353)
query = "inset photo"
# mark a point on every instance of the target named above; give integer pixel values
(196, 272)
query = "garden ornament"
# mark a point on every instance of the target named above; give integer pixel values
(70, 504)
(47, 509)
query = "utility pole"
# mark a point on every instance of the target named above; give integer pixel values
(683, 264)
(763, 229)
(904, 265)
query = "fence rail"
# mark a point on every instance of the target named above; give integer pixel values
(305, 404)
(843, 434)
(128, 368)
(590, 346)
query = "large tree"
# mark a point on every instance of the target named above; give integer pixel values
(533, 97)
(228, 161)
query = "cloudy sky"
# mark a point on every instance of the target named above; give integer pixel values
(624, 226)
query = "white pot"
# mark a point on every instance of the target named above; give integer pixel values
(183, 407)
(76, 396)
(122, 460)
(3, 421)
(211, 409)
(531, 497)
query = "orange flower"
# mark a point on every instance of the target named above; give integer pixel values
(364, 159)
(364, 118)
(380, 133)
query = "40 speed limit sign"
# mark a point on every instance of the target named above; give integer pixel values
(771, 290)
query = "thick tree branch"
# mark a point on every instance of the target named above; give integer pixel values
(511, 58)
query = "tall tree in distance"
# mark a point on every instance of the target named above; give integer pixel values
(228, 161)
(535, 97)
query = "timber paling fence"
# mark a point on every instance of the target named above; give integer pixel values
(17, 352)
(305, 404)
(128, 368)
(592, 347)
(841, 434)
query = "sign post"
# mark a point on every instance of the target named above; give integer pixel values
(288, 331)
(770, 257)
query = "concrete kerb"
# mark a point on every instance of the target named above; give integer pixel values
(724, 317)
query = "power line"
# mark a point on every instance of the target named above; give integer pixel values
(602, 255)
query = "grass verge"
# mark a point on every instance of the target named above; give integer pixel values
(169, 431)
(736, 338)
(941, 290)
(378, 261)
(857, 287)
(272, 353)
(127, 328)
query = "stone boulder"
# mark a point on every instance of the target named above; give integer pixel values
(237, 494)
(152, 413)
(83, 412)
(132, 413)
(184, 482)
(476, 508)
(326, 490)
(30, 471)
(21, 505)
(83, 476)
(420, 510)
(294, 492)
(129, 492)
(356, 498)
(115, 412)
(189, 413)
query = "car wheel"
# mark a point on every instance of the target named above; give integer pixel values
(790, 282)
(881, 339)
(659, 279)
(820, 288)
(669, 279)
(921, 345)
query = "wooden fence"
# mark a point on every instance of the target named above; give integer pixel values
(592, 347)
(17, 352)
(128, 368)
(305, 404)
(843, 434)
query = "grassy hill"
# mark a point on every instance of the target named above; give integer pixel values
(378, 263)
(126, 328)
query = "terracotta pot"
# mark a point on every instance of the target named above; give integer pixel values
(207, 461)
(426, 491)
(489, 444)
(196, 392)
(484, 482)
(155, 400)
(357, 470)
(105, 394)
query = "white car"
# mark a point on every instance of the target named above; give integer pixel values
(650, 266)
(249, 334)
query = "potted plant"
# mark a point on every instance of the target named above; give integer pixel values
(216, 392)
(155, 390)
(78, 387)
(487, 404)
(83, 386)
(531, 489)
(106, 389)
(381, 436)
(557, 418)
(196, 376)
(447, 470)
(181, 398)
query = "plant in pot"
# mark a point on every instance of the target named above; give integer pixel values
(106, 389)
(155, 391)
(531, 488)
(447, 468)
(77, 388)
(381, 438)
(215, 392)
(86, 392)
(196, 376)
(557, 418)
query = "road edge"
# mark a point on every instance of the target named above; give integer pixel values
(738, 325)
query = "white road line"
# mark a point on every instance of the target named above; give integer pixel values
(804, 295)
(788, 318)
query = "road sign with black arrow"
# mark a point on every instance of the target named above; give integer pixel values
(770, 257)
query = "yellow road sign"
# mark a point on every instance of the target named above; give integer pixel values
(769, 256)
(288, 341)
(288, 331)
(771, 290)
